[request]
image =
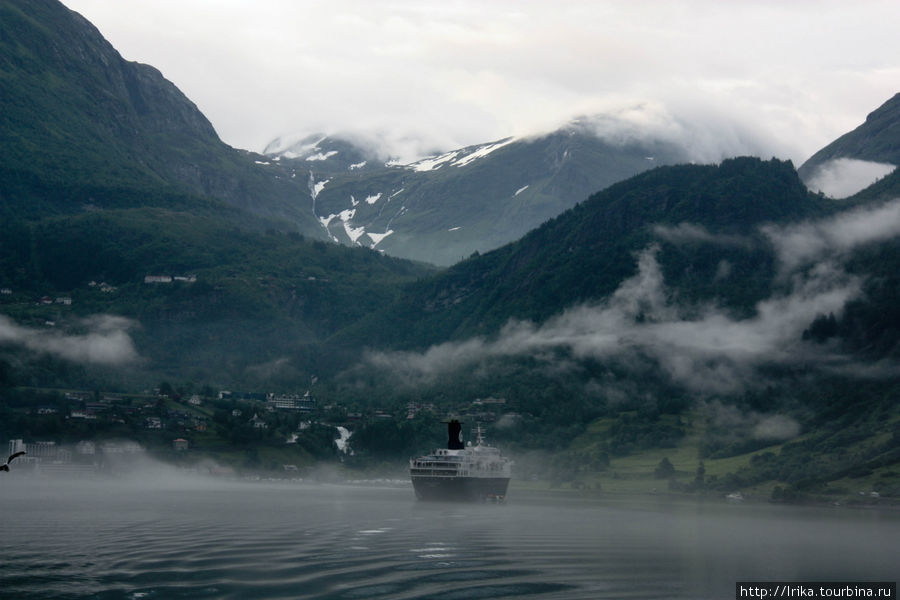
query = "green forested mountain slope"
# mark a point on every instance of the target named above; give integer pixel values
(717, 312)
(109, 174)
(80, 125)
(245, 298)
(585, 253)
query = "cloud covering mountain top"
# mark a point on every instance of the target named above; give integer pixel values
(447, 75)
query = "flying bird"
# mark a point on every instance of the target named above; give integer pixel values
(5, 466)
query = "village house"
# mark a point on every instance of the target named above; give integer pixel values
(16, 446)
(489, 401)
(413, 408)
(157, 279)
(125, 447)
(42, 449)
(82, 414)
(304, 403)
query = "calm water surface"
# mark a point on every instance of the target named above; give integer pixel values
(161, 538)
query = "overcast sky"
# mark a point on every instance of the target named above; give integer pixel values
(450, 73)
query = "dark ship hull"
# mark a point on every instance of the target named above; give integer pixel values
(456, 489)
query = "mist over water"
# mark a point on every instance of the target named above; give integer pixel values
(177, 536)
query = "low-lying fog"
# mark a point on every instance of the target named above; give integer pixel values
(157, 532)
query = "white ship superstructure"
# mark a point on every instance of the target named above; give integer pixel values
(459, 472)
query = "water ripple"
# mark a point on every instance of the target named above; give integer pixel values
(272, 542)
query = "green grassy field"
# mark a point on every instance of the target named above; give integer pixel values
(634, 474)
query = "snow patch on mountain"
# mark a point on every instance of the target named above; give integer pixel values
(358, 165)
(520, 190)
(287, 145)
(354, 233)
(373, 199)
(316, 188)
(483, 151)
(322, 156)
(296, 149)
(458, 158)
(377, 237)
(430, 164)
(346, 217)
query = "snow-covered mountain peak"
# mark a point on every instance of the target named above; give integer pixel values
(323, 153)
(296, 144)
(459, 158)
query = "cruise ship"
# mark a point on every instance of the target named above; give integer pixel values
(461, 472)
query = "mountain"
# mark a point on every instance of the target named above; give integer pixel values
(81, 126)
(326, 155)
(871, 324)
(585, 253)
(443, 208)
(722, 314)
(876, 140)
(856, 159)
(170, 251)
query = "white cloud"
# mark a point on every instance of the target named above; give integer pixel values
(701, 347)
(844, 177)
(443, 75)
(812, 241)
(106, 341)
(776, 428)
(712, 352)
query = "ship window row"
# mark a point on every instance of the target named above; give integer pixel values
(454, 465)
(436, 473)
(438, 465)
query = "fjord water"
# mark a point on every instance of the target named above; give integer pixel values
(196, 538)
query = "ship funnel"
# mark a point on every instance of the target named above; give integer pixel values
(454, 435)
